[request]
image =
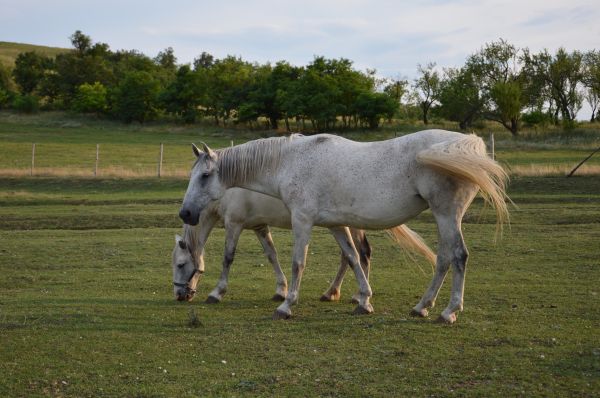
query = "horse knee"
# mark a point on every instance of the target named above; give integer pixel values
(461, 255)
(228, 259)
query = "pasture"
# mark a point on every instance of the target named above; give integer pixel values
(86, 305)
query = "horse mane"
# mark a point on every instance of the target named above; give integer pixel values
(190, 237)
(241, 163)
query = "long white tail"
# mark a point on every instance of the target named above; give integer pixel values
(467, 159)
(412, 242)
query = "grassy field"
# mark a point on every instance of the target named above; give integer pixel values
(86, 306)
(9, 51)
(66, 146)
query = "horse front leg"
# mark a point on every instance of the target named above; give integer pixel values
(301, 230)
(232, 234)
(344, 239)
(264, 237)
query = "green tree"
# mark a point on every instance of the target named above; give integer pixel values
(136, 97)
(80, 42)
(591, 81)
(29, 71)
(460, 98)
(5, 78)
(559, 78)
(90, 98)
(6, 86)
(427, 88)
(500, 75)
(184, 95)
(203, 61)
(87, 64)
(229, 81)
(372, 107)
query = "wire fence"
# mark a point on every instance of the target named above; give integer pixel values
(99, 160)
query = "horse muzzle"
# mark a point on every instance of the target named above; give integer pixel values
(188, 216)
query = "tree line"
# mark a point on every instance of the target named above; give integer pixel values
(499, 83)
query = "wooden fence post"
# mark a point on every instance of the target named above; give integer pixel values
(97, 158)
(493, 146)
(231, 142)
(160, 160)
(32, 158)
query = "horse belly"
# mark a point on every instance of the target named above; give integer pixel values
(372, 214)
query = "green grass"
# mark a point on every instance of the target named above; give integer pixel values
(86, 306)
(9, 51)
(66, 145)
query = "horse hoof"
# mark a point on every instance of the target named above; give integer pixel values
(354, 300)
(278, 315)
(446, 321)
(277, 297)
(360, 310)
(419, 314)
(212, 300)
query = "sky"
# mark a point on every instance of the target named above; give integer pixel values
(392, 37)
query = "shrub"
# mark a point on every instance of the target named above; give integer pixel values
(26, 103)
(536, 118)
(90, 98)
(6, 98)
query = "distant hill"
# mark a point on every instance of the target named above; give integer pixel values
(9, 51)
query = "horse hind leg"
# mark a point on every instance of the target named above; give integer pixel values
(264, 237)
(334, 292)
(452, 251)
(362, 245)
(345, 241)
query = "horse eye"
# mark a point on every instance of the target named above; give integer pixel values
(205, 175)
(180, 265)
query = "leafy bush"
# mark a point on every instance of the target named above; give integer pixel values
(5, 98)
(371, 107)
(26, 103)
(536, 118)
(90, 98)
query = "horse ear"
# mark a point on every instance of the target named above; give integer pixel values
(196, 150)
(179, 240)
(208, 151)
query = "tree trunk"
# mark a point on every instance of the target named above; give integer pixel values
(425, 109)
(287, 124)
(514, 127)
(274, 123)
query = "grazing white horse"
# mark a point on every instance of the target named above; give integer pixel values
(241, 209)
(330, 181)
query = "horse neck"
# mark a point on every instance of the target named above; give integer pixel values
(253, 166)
(261, 184)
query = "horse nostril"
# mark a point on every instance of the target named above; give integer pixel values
(184, 214)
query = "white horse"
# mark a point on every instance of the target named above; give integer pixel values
(241, 209)
(330, 181)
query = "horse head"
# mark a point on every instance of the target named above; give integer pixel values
(186, 273)
(204, 186)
